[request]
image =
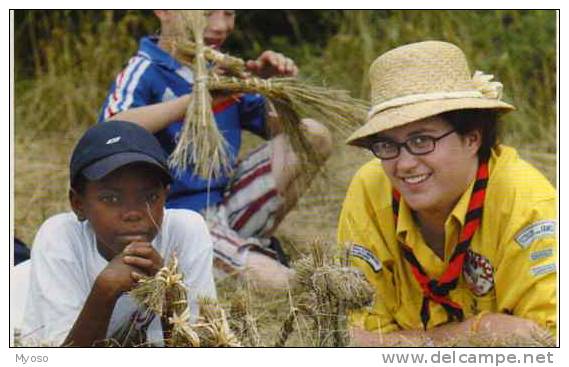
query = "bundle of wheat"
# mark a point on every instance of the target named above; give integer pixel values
(184, 50)
(165, 296)
(182, 334)
(157, 293)
(242, 322)
(202, 146)
(212, 327)
(200, 143)
(326, 290)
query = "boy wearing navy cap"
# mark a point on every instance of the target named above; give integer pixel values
(84, 262)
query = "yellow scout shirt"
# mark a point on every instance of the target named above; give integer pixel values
(511, 265)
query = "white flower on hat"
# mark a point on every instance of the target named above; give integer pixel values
(489, 89)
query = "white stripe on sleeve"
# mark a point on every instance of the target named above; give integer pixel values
(122, 82)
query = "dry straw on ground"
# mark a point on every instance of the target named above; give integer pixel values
(242, 321)
(325, 290)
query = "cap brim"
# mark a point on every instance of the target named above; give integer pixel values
(103, 167)
(403, 115)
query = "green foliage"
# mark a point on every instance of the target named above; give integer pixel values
(74, 62)
(67, 59)
(518, 47)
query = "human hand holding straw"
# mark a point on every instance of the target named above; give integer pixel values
(137, 260)
(271, 63)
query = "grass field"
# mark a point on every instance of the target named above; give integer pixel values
(62, 78)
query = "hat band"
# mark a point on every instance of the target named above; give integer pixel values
(425, 97)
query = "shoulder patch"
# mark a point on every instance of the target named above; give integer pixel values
(541, 254)
(534, 232)
(367, 256)
(543, 269)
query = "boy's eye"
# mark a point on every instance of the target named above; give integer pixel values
(151, 198)
(110, 198)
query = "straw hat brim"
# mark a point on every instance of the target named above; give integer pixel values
(402, 115)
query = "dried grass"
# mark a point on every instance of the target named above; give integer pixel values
(212, 326)
(336, 108)
(325, 290)
(242, 321)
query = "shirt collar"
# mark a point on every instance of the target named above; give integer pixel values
(406, 221)
(149, 49)
(461, 207)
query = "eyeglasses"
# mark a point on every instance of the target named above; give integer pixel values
(416, 145)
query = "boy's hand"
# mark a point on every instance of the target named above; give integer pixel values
(117, 277)
(144, 257)
(125, 269)
(270, 64)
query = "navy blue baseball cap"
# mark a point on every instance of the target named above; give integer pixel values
(110, 145)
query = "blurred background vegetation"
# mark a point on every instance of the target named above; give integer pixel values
(65, 60)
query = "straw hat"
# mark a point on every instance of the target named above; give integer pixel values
(419, 80)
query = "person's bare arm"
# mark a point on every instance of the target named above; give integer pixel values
(93, 320)
(92, 323)
(364, 338)
(158, 116)
(496, 324)
(120, 275)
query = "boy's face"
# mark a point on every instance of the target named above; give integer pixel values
(125, 206)
(220, 24)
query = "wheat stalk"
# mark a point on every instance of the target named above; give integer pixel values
(200, 143)
(287, 328)
(164, 289)
(335, 108)
(185, 51)
(242, 321)
(212, 327)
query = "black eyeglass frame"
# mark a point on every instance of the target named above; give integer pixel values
(406, 146)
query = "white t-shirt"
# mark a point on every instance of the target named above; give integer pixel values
(65, 264)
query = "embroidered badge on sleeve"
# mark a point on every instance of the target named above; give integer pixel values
(542, 254)
(534, 232)
(367, 256)
(543, 270)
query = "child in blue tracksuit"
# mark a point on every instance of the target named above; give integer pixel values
(243, 210)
